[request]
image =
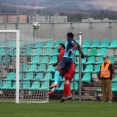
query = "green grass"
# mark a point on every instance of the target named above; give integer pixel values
(57, 109)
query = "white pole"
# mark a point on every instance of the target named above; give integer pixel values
(17, 64)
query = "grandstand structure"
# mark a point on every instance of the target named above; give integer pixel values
(37, 55)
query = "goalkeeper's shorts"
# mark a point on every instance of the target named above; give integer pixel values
(70, 74)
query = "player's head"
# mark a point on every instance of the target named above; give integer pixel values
(61, 46)
(70, 35)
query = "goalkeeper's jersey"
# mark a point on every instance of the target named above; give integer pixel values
(69, 47)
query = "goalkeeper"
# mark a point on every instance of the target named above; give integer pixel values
(65, 63)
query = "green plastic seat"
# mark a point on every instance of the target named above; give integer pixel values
(26, 85)
(99, 60)
(24, 68)
(77, 68)
(97, 69)
(39, 76)
(57, 43)
(114, 87)
(51, 68)
(35, 86)
(11, 76)
(61, 86)
(93, 52)
(95, 44)
(83, 61)
(77, 53)
(21, 76)
(42, 68)
(74, 87)
(91, 60)
(32, 68)
(3, 44)
(7, 85)
(28, 51)
(0, 84)
(45, 86)
(29, 76)
(47, 51)
(112, 59)
(53, 60)
(6, 60)
(45, 60)
(76, 77)
(89, 68)
(86, 77)
(115, 78)
(12, 44)
(98, 90)
(14, 85)
(2, 51)
(104, 44)
(35, 60)
(12, 53)
(85, 51)
(102, 52)
(55, 52)
(47, 77)
(37, 51)
(30, 44)
(49, 43)
(113, 44)
(86, 44)
(39, 45)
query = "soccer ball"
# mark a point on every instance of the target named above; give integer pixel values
(36, 25)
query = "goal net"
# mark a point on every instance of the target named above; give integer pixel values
(25, 68)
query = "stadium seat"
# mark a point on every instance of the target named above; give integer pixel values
(89, 68)
(45, 60)
(5, 60)
(0, 84)
(114, 87)
(113, 44)
(28, 51)
(39, 45)
(85, 51)
(35, 60)
(47, 51)
(41, 68)
(77, 53)
(35, 86)
(58, 42)
(37, 51)
(112, 59)
(86, 44)
(12, 52)
(51, 68)
(7, 85)
(53, 60)
(14, 85)
(100, 60)
(12, 44)
(47, 77)
(97, 69)
(2, 51)
(115, 78)
(55, 52)
(49, 43)
(86, 77)
(77, 68)
(39, 76)
(76, 77)
(91, 60)
(93, 52)
(30, 44)
(61, 86)
(45, 86)
(95, 44)
(24, 68)
(21, 76)
(104, 44)
(74, 87)
(11, 76)
(29, 76)
(3, 44)
(32, 68)
(83, 61)
(26, 85)
(102, 52)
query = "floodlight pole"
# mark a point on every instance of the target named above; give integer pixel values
(80, 68)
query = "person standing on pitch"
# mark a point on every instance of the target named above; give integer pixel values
(105, 78)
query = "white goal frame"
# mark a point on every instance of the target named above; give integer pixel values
(17, 58)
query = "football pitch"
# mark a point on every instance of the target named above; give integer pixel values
(57, 109)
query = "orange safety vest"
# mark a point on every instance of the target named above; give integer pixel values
(105, 73)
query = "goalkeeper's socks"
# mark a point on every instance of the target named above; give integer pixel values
(68, 90)
(65, 90)
(56, 77)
